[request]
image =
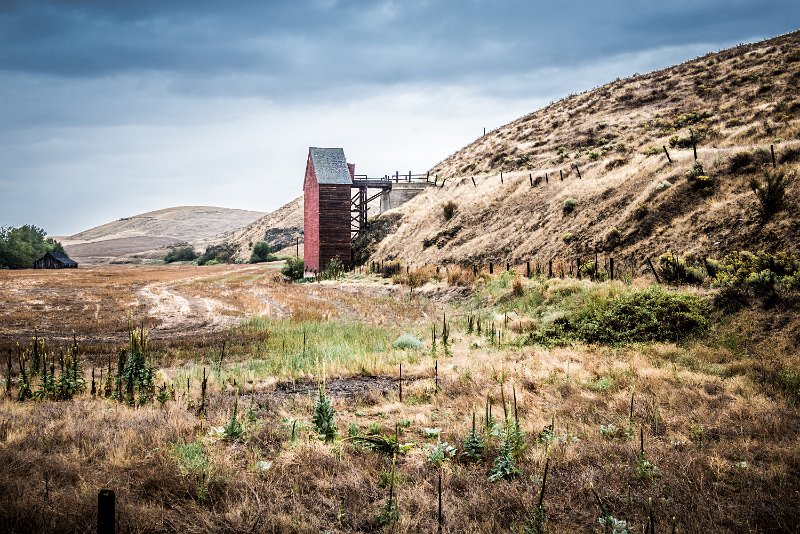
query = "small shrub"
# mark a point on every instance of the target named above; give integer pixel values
(448, 210)
(233, 431)
(459, 276)
(222, 253)
(640, 211)
(680, 270)
(441, 452)
(653, 151)
(294, 269)
(663, 185)
(190, 457)
(323, 416)
(390, 269)
(697, 177)
(771, 194)
(261, 253)
(186, 253)
(569, 205)
(613, 236)
(333, 271)
(568, 237)
(746, 162)
(517, 289)
(768, 277)
(407, 341)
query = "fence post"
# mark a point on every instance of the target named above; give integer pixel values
(560, 172)
(772, 151)
(546, 178)
(655, 273)
(473, 182)
(428, 177)
(491, 268)
(106, 514)
(578, 171)
(669, 159)
(611, 267)
(550, 268)
(501, 177)
(528, 268)
(508, 266)
(530, 177)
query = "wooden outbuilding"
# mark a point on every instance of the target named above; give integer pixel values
(326, 208)
(55, 260)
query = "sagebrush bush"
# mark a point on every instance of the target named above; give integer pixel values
(407, 341)
(567, 237)
(569, 205)
(768, 277)
(294, 269)
(697, 177)
(448, 210)
(771, 194)
(459, 276)
(680, 270)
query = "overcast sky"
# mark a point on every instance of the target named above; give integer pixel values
(109, 109)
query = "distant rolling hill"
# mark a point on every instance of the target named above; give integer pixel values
(149, 235)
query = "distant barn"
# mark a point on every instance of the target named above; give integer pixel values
(55, 260)
(327, 208)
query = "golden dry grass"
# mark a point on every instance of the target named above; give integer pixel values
(713, 430)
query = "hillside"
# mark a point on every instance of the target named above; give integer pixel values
(149, 235)
(736, 103)
(280, 228)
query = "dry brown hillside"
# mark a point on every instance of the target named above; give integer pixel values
(280, 229)
(149, 235)
(736, 103)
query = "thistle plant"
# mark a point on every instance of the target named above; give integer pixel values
(233, 431)
(504, 466)
(473, 445)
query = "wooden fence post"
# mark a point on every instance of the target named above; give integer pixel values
(530, 177)
(473, 182)
(560, 172)
(772, 151)
(669, 159)
(578, 171)
(550, 268)
(106, 514)
(611, 268)
(546, 178)
(501, 177)
(655, 273)
(508, 266)
(528, 268)
(491, 268)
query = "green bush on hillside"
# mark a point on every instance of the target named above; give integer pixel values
(640, 315)
(768, 277)
(185, 253)
(20, 247)
(680, 270)
(294, 269)
(261, 253)
(222, 253)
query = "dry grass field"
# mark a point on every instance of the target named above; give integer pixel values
(698, 425)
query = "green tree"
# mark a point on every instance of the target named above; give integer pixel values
(20, 247)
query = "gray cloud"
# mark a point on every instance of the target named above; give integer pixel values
(110, 108)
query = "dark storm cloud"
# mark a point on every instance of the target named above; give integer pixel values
(109, 108)
(297, 46)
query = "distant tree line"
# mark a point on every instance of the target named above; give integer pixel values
(214, 254)
(20, 247)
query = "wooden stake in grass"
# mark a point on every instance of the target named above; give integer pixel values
(530, 177)
(436, 375)
(561, 173)
(653, 269)
(630, 415)
(400, 383)
(578, 171)
(772, 151)
(666, 153)
(202, 410)
(514, 392)
(441, 516)
(8, 375)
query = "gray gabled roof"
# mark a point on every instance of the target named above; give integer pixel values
(330, 166)
(63, 258)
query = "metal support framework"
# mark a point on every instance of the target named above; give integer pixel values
(359, 205)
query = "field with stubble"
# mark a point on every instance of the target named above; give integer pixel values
(194, 393)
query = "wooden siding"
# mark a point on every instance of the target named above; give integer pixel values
(334, 224)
